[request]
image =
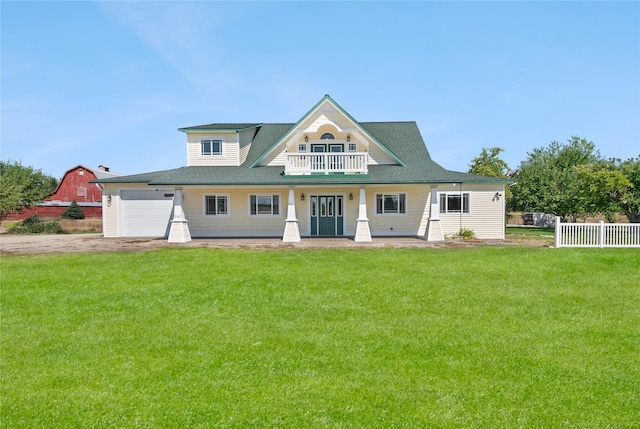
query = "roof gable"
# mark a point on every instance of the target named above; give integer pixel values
(325, 112)
(403, 138)
(409, 159)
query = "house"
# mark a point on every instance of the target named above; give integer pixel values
(77, 183)
(326, 175)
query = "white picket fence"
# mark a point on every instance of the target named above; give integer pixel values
(597, 234)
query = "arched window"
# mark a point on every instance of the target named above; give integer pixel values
(327, 136)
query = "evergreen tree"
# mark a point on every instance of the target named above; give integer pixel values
(73, 211)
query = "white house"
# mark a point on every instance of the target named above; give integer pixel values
(325, 175)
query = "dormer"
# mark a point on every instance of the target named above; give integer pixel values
(327, 140)
(218, 144)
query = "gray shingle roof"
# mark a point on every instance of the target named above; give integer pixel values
(403, 139)
(220, 127)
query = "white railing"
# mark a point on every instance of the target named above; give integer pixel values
(597, 234)
(326, 163)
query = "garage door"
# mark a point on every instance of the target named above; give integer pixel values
(146, 213)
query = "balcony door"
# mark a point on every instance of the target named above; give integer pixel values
(335, 163)
(321, 147)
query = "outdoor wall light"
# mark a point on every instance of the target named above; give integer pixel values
(108, 200)
(306, 139)
(497, 196)
(302, 196)
(350, 196)
(348, 138)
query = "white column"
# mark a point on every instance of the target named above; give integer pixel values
(291, 229)
(434, 229)
(363, 233)
(179, 231)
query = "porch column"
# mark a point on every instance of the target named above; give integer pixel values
(363, 233)
(179, 231)
(434, 229)
(291, 229)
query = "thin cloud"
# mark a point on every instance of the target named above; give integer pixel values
(183, 34)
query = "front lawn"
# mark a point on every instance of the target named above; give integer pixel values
(525, 233)
(499, 337)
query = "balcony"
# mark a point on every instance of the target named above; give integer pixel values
(326, 163)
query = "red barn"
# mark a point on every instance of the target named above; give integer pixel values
(74, 185)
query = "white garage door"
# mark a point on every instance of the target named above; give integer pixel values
(146, 213)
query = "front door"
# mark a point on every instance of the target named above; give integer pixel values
(327, 215)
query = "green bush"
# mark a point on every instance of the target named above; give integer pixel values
(35, 225)
(73, 211)
(466, 233)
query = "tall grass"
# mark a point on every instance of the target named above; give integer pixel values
(483, 337)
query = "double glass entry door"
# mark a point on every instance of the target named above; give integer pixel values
(327, 215)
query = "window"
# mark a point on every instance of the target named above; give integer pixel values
(327, 136)
(391, 203)
(302, 147)
(216, 205)
(211, 147)
(352, 147)
(454, 203)
(264, 205)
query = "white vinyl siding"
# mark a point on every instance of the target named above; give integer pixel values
(244, 138)
(379, 156)
(110, 202)
(486, 214)
(238, 222)
(409, 223)
(486, 217)
(230, 149)
(274, 159)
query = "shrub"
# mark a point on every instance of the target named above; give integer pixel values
(73, 211)
(464, 233)
(35, 225)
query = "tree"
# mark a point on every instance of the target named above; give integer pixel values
(630, 205)
(488, 163)
(547, 181)
(22, 187)
(603, 187)
(74, 211)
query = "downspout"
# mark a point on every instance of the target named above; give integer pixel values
(461, 206)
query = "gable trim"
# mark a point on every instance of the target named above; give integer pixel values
(344, 112)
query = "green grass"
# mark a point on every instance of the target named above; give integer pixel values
(496, 337)
(515, 233)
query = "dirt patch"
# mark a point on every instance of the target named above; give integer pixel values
(74, 243)
(88, 224)
(68, 225)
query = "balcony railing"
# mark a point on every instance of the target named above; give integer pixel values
(326, 163)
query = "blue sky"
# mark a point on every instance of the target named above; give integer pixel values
(110, 82)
